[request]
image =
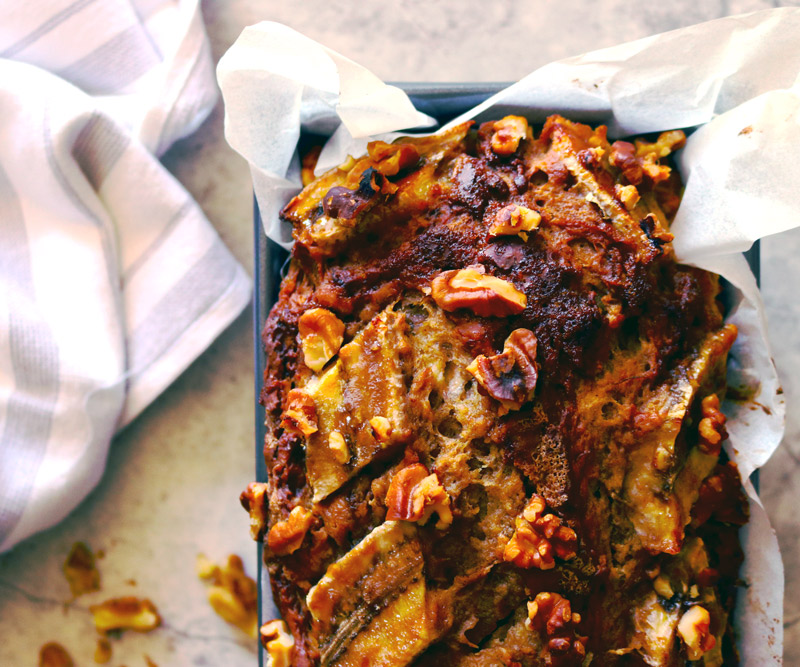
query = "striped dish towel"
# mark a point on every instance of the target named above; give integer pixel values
(111, 279)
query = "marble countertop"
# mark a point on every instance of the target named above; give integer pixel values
(174, 475)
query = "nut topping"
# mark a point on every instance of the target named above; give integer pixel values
(712, 426)
(509, 377)
(321, 336)
(390, 159)
(381, 429)
(694, 630)
(539, 537)
(508, 132)
(300, 415)
(414, 495)
(338, 446)
(278, 643)
(285, 537)
(514, 219)
(471, 288)
(253, 499)
(233, 595)
(551, 615)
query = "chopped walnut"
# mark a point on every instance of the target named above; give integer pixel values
(514, 219)
(321, 336)
(508, 132)
(233, 595)
(127, 613)
(414, 495)
(381, 429)
(712, 426)
(641, 160)
(663, 587)
(102, 651)
(694, 629)
(278, 642)
(254, 500)
(628, 195)
(551, 615)
(285, 537)
(509, 377)
(471, 288)
(391, 159)
(338, 446)
(667, 142)
(53, 654)
(539, 538)
(80, 570)
(300, 415)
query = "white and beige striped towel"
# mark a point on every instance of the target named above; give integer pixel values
(111, 279)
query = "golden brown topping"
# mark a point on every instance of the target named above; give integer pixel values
(321, 335)
(390, 159)
(278, 642)
(300, 415)
(102, 652)
(628, 195)
(414, 495)
(483, 294)
(508, 132)
(286, 536)
(514, 219)
(127, 613)
(233, 595)
(694, 630)
(254, 500)
(667, 142)
(539, 537)
(381, 429)
(338, 446)
(509, 377)
(53, 654)
(712, 426)
(80, 571)
(551, 615)
(663, 587)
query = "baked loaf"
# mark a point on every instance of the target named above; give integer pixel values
(493, 412)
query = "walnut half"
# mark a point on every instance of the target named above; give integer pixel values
(694, 629)
(285, 537)
(514, 220)
(483, 294)
(414, 495)
(127, 613)
(253, 499)
(508, 133)
(539, 538)
(321, 336)
(711, 427)
(509, 377)
(300, 415)
(279, 644)
(551, 615)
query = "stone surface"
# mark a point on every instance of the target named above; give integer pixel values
(174, 475)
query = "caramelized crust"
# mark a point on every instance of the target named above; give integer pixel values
(507, 344)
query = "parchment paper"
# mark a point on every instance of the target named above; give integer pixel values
(737, 80)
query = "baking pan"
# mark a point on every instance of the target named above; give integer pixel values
(443, 101)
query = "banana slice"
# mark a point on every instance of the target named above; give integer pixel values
(371, 603)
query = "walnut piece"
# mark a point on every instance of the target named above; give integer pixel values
(539, 538)
(628, 195)
(126, 613)
(514, 220)
(711, 427)
(508, 132)
(509, 377)
(278, 642)
(667, 142)
(53, 654)
(254, 500)
(233, 595)
(694, 629)
(80, 570)
(381, 429)
(551, 615)
(338, 446)
(285, 537)
(321, 336)
(641, 160)
(391, 159)
(414, 495)
(483, 294)
(300, 415)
